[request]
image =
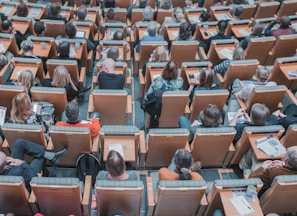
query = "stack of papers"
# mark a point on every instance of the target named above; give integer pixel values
(270, 146)
(292, 73)
(242, 205)
(226, 53)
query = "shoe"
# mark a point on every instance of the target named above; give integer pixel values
(58, 156)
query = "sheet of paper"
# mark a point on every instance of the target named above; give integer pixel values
(80, 34)
(194, 19)
(243, 31)
(231, 116)
(2, 115)
(7, 10)
(2, 48)
(241, 205)
(34, 12)
(175, 34)
(116, 147)
(72, 52)
(272, 147)
(227, 53)
(212, 33)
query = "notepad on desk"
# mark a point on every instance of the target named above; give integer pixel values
(226, 53)
(242, 205)
(243, 32)
(292, 73)
(270, 146)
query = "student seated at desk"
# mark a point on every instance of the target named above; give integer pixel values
(55, 12)
(39, 28)
(116, 169)
(257, 32)
(182, 167)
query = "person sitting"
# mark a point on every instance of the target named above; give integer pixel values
(237, 12)
(136, 4)
(152, 29)
(22, 10)
(39, 28)
(182, 167)
(3, 60)
(284, 27)
(82, 15)
(55, 12)
(72, 114)
(257, 32)
(185, 32)
(107, 79)
(210, 117)
(147, 15)
(177, 17)
(116, 169)
(16, 166)
(8, 28)
(113, 53)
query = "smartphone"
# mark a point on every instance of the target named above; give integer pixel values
(191, 76)
(205, 34)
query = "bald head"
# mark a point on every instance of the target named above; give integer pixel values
(108, 65)
(2, 161)
(292, 156)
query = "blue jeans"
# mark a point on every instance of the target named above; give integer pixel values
(184, 122)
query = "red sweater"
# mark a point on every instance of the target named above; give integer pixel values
(94, 126)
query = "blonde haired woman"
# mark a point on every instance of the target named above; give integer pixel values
(62, 79)
(160, 54)
(26, 79)
(21, 109)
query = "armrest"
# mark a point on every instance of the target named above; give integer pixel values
(187, 111)
(203, 206)
(50, 145)
(241, 103)
(142, 83)
(82, 76)
(87, 194)
(202, 55)
(91, 105)
(94, 81)
(221, 80)
(230, 153)
(143, 150)
(95, 143)
(289, 94)
(32, 202)
(150, 196)
(129, 104)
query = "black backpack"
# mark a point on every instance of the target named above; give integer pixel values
(88, 164)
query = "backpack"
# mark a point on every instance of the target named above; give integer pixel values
(44, 114)
(87, 164)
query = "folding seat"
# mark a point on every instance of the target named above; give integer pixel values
(14, 196)
(120, 44)
(120, 13)
(170, 31)
(88, 28)
(177, 3)
(248, 11)
(258, 48)
(184, 51)
(222, 192)
(289, 139)
(266, 9)
(287, 8)
(108, 29)
(159, 146)
(48, 51)
(213, 146)
(280, 197)
(23, 24)
(117, 106)
(61, 196)
(119, 197)
(163, 13)
(54, 28)
(94, 14)
(136, 16)
(239, 28)
(9, 43)
(174, 197)
(240, 69)
(220, 13)
(56, 96)
(192, 14)
(5, 73)
(139, 31)
(128, 138)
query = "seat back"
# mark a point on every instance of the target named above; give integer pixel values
(33, 133)
(56, 96)
(200, 31)
(10, 39)
(54, 28)
(243, 144)
(120, 44)
(220, 13)
(48, 40)
(94, 14)
(57, 196)
(177, 3)
(153, 69)
(285, 45)
(8, 92)
(263, 94)
(239, 28)
(162, 13)
(162, 144)
(136, 15)
(287, 8)
(127, 136)
(108, 29)
(289, 139)
(202, 98)
(248, 11)
(5, 73)
(14, 196)
(239, 69)
(87, 27)
(77, 139)
(280, 196)
(266, 9)
(258, 48)
(118, 197)
(114, 108)
(192, 14)
(120, 13)
(184, 51)
(211, 145)
(23, 24)
(213, 197)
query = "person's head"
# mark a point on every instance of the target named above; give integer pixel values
(27, 46)
(178, 14)
(142, 3)
(183, 161)
(55, 9)
(7, 26)
(39, 28)
(160, 54)
(110, 15)
(2, 161)
(165, 4)
(206, 77)
(3, 60)
(87, 3)
(152, 28)
(222, 25)
(61, 77)
(109, 4)
(147, 13)
(21, 107)
(211, 116)
(237, 11)
(70, 29)
(238, 54)
(258, 29)
(185, 31)
(26, 79)
(64, 48)
(204, 16)
(108, 65)
(72, 112)
(284, 22)
(113, 53)
(259, 114)
(115, 164)
(82, 12)
(118, 35)
(292, 157)
(22, 10)
(262, 74)
(170, 72)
